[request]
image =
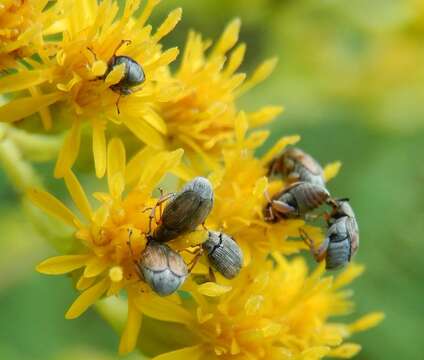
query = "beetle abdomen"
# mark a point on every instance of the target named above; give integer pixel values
(338, 254)
(309, 196)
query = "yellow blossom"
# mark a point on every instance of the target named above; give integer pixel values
(104, 265)
(22, 24)
(72, 76)
(202, 118)
(275, 310)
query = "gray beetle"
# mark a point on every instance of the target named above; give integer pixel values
(297, 166)
(133, 74)
(223, 253)
(162, 268)
(295, 201)
(342, 238)
(186, 210)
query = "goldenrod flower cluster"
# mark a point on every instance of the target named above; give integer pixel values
(182, 124)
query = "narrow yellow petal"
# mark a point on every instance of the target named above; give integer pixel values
(115, 75)
(366, 322)
(260, 74)
(154, 120)
(165, 58)
(193, 353)
(162, 309)
(116, 167)
(157, 167)
(99, 147)
(345, 351)
(278, 147)
(51, 205)
(69, 152)
(144, 132)
(95, 266)
(348, 275)
(62, 264)
(18, 109)
(213, 289)
(84, 283)
(23, 80)
(241, 126)
(264, 115)
(78, 195)
(87, 298)
(236, 59)
(136, 163)
(132, 329)
(228, 38)
(169, 24)
(331, 170)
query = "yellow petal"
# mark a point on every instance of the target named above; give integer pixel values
(62, 264)
(136, 163)
(345, 351)
(331, 170)
(132, 329)
(98, 68)
(95, 266)
(69, 151)
(241, 126)
(260, 74)
(264, 115)
(366, 322)
(99, 147)
(169, 24)
(23, 80)
(87, 298)
(192, 353)
(116, 167)
(144, 132)
(236, 59)
(115, 75)
(228, 38)
(51, 205)
(155, 121)
(348, 275)
(18, 109)
(213, 289)
(162, 309)
(278, 147)
(157, 167)
(84, 283)
(78, 195)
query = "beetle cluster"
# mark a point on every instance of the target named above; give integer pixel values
(306, 191)
(162, 267)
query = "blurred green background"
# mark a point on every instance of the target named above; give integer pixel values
(351, 78)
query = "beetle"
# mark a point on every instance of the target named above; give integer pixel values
(133, 73)
(161, 267)
(224, 254)
(295, 201)
(185, 210)
(295, 165)
(342, 238)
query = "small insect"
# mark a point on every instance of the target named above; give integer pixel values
(186, 210)
(295, 201)
(342, 238)
(133, 73)
(223, 253)
(295, 165)
(162, 268)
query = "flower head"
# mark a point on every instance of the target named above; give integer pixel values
(105, 262)
(22, 24)
(275, 310)
(202, 118)
(76, 75)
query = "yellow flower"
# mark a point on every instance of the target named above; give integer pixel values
(240, 184)
(275, 310)
(21, 28)
(104, 264)
(72, 76)
(202, 118)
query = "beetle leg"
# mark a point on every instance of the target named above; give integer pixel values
(318, 253)
(293, 177)
(92, 51)
(195, 260)
(117, 104)
(212, 276)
